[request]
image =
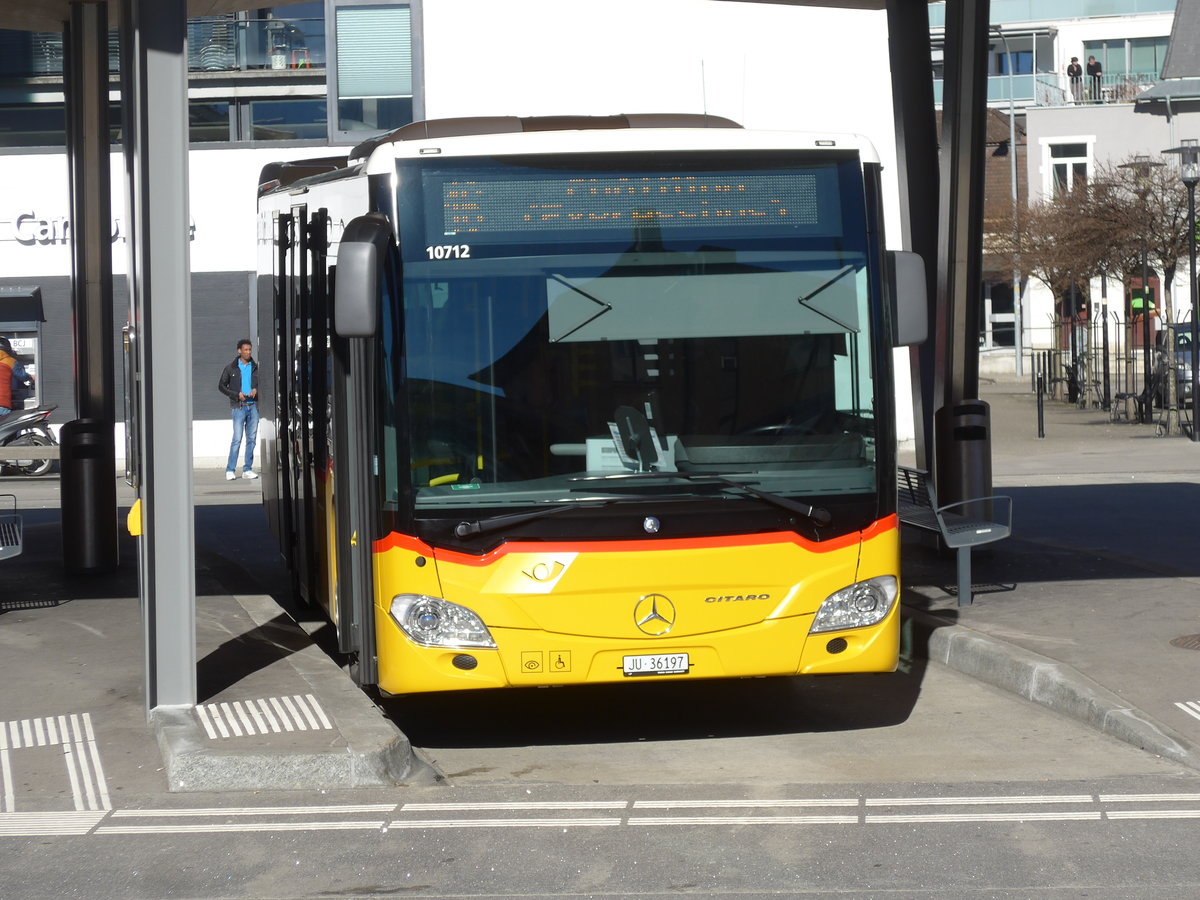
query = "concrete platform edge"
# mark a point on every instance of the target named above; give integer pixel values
(376, 753)
(1047, 682)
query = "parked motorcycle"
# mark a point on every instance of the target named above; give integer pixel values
(27, 428)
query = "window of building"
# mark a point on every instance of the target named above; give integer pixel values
(288, 120)
(372, 78)
(1069, 167)
(1022, 62)
(1135, 57)
(208, 122)
(33, 125)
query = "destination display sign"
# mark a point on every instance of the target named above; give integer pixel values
(497, 208)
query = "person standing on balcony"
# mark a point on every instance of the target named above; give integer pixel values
(1094, 72)
(1075, 79)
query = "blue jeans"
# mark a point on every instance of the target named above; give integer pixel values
(245, 419)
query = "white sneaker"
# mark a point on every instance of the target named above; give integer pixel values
(249, 474)
(229, 476)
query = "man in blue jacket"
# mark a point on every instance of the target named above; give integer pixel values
(239, 382)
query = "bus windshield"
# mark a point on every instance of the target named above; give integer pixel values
(566, 322)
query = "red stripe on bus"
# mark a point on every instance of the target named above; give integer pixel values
(396, 540)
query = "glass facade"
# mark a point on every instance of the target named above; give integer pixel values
(373, 76)
(252, 54)
(1006, 11)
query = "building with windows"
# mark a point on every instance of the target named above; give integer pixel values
(1069, 128)
(313, 79)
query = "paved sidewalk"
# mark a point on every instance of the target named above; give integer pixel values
(1079, 609)
(276, 712)
(1077, 612)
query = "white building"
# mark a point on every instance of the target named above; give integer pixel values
(313, 79)
(1072, 129)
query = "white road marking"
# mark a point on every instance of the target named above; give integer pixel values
(740, 804)
(243, 718)
(295, 716)
(206, 721)
(34, 824)
(1191, 707)
(985, 817)
(316, 707)
(72, 774)
(81, 757)
(979, 801)
(501, 823)
(518, 805)
(266, 710)
(283, 716)
(217, 827)
(309, 717)
(255, 811)
(388, 816)
(743, 820)
(8, 802)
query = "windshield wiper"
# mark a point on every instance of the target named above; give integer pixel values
(817, 514)
(499, 523)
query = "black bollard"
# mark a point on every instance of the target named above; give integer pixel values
(1041, 405)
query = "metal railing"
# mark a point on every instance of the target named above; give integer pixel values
(1097, 365)
(1054, 89)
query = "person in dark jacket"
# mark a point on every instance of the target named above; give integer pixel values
(239, 382)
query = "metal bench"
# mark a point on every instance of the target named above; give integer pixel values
(960, 525)
(11, 531)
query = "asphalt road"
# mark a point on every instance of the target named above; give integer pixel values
(921, 783)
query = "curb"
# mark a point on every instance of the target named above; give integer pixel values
(364, 750)
(1046, 682)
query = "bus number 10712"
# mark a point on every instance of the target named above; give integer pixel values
(449, 251)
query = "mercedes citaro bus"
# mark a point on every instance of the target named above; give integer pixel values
(578, 400)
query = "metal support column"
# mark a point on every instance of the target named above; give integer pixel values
(154, 78)
(960, 201)
(917, 167)
(960, 223)
(89, 495)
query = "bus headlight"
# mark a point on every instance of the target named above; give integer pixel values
(857, 606)
(435, 622)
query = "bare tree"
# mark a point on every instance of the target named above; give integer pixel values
(1142, 204)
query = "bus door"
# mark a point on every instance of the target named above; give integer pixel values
(299, 404)
(280, 451)
(315, 436)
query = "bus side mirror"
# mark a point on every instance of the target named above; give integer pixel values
(910, 297)
(361, 252)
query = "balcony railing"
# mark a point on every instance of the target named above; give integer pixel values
(224, 45)
(1022, 86)
(1050, 89)
(1058, 90)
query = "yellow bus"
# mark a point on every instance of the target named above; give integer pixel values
(565, 400)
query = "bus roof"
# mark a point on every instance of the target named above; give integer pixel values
(562, 134)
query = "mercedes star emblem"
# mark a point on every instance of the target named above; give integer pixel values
(651, 525)
(654, 615)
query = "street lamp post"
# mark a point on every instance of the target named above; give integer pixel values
(1189, 161)
(1143, 164)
